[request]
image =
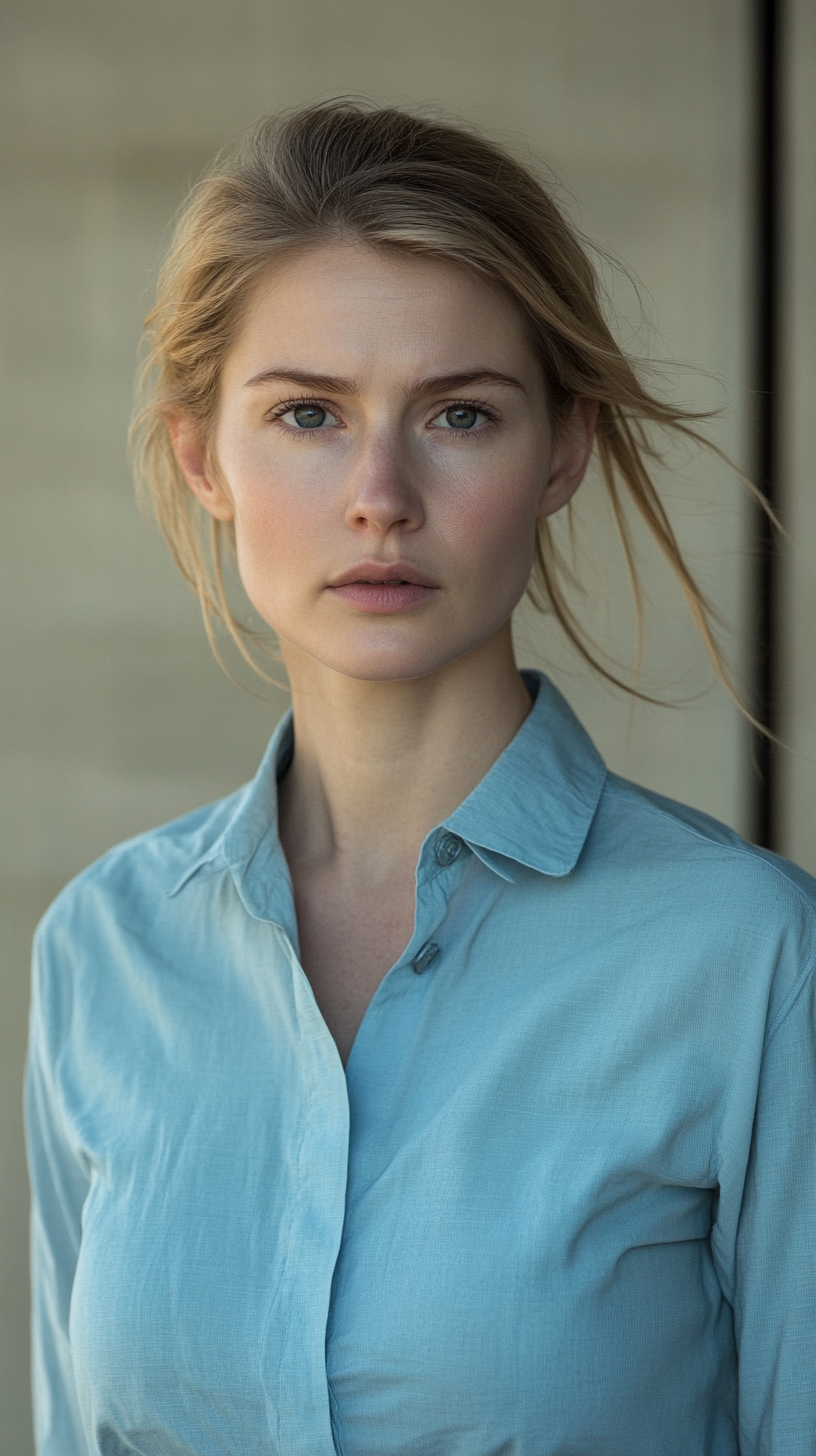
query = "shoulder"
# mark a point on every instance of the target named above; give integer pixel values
(131, 882)
(709, 887)
(664, 828)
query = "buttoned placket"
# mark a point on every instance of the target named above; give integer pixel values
(438, 874)
(299, 1391)
(294, 1379)
(447, 849)
(403, 990)
(293, 1368)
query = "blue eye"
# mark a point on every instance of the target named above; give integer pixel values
(308, 416)
(460, 417)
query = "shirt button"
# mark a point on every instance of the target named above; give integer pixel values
(448, 849)
(426, 955)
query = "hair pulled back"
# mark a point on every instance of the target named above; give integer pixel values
(381, 176)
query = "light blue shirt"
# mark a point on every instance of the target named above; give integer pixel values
(563, 1199)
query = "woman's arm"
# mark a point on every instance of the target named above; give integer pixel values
(59, 1187)
(775, 1294)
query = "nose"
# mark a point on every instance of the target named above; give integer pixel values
(382, 493)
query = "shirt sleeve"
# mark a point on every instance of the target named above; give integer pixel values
(775, 1291)
(59, 1186)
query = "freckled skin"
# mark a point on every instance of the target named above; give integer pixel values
(398, 714)
(462, 506)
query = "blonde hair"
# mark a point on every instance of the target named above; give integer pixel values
(344, 170)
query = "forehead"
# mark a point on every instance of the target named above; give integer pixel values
(346, 308)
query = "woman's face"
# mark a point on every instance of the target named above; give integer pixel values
(385, 453)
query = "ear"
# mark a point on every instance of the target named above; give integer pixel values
(571, 453)
(191, 455)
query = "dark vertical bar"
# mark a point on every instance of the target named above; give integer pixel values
(766, 383)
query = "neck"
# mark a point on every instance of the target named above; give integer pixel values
(378, 764)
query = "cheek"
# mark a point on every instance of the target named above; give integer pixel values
(276, 516)
(274, 540)
(495, 522)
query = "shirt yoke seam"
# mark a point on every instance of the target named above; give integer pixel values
(747, 853)
(743, 851)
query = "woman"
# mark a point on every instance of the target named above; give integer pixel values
(438, 1092)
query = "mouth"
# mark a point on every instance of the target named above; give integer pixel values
(383, 587)
(383, 573)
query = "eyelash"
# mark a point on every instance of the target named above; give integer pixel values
(491, 415)
(289, 404)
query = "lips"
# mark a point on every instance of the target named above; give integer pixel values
(381, 573)
(375, 581)
(381, 587)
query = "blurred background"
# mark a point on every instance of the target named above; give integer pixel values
(115, 717)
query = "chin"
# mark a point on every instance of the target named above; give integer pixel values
(382, 668)
(391, 662)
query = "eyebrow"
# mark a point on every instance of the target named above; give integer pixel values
(331, 384)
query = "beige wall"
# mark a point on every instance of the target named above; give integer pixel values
(114, 716)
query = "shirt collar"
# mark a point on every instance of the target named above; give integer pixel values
(534, 807)
(249, 843)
